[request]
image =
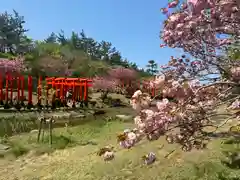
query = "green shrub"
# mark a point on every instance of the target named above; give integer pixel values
(18, 150)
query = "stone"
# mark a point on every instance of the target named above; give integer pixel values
(34, 131)
(4, 147)
(80, 116)
(124, 117)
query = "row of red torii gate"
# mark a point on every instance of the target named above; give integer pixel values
(50, 92)
(15, 91)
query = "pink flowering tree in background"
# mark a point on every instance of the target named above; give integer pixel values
(50, 66)
(105, 85)
(123, 74)
(204, 29)
(12, 66)
(124, 79)
(118, 80)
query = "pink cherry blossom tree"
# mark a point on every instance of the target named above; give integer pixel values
(13, 66)
(123, 73)
(105, 85)
(186, 105)
(196, 27)
(126, 79)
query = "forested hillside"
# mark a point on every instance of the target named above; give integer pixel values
(58, 54)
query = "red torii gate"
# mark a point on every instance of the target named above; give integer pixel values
(79, 87)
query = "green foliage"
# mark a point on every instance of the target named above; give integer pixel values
(15, 148)
(233, 50)
(6, 55)
(18, 150)
(12, 32)
(91, 69)
(206, 169)
(59, 141)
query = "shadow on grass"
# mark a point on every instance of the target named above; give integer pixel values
(231, 151)
(213, 170)
(18, 149)
(223, 135)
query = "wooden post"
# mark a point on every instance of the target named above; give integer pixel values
(46, 103)
(40, 129)
(1, 90)
(77, 94)
(153, 91)
(80, 90)
(122, 83)
(11, 87)
(30, 86)
(61, 91)
(57, 90)
(6, 88)
(50, 125)
(18, 88)
(74, 94)
(22, 90)
(39, 90)
(22, 87)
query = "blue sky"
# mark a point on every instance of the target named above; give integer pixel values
(132, 26)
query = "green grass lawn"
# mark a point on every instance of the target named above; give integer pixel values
(73, 156)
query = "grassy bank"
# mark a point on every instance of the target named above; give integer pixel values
(73, 155)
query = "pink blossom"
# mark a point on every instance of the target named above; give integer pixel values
(162, 105)
(125, 144)
(137, 94)
(158, 82)
(131, 139)
(193, 2)
(204, 16)
(194, 84)
(164, 10)
(235, 72)
(106, 84)
(15, 65)
(123, 73)
(150, 158)
(108, 155)
(235, 104)
(173, 4)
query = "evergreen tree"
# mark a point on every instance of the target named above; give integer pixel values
(152, 67)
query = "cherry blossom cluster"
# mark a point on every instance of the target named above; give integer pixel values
(235, 105)
(123, 73)
(15, 65)
(129, 138)
(105, 84)
(235, 73)
(183, 106)
(117, 79)
(195, 26)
